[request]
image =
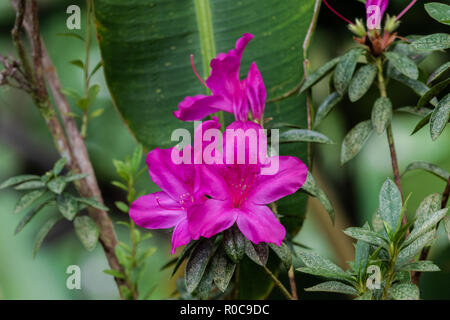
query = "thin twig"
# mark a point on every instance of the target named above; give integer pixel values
(292, 283)
(278, 283)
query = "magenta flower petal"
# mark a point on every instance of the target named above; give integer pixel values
(259, 224)
(256, 92)
(291, 176)
(181, 235)
(157, 211)
(200, 106)
(375, 10)
(210, 218)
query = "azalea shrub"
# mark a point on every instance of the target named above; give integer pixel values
(226, 124)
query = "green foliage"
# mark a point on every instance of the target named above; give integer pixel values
(381, 114)
(355, 140)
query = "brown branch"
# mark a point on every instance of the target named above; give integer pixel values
(71, 147)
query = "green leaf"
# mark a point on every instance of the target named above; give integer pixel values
(422, 112)
(409, 252)
(319, 74)
(355, 140)
(28, 199)
(114, 273)
(120, 185)
(366, 236)
(92, 94)
(403, 64)
(315, 261)
(437, 41)
(365, 296)
(196, 265)
(71, 35)
(43, 232)
(421, 266)
(418, 87)
(424, 223)
(30, 215)
(223, 269)
(325, 108)
(74, 177)
(71, 93)
(18, 179)
(258, 253)
(333, 286)
(57, 185)
(381, 114)
(304, 135)
(439, 72)
(433, 92)
(96, 113)
(30, 185)
(430, 204)
(87, 231)
(446, 222)
(404, 291)
(361, 82)
(91, 202)
(362, 251)
(205, 286)
(390, 208)
(59, 166)
(122, 206)
(345, 69)
(429, 167)
(284, 253)
(234, 244)
(184, 255)
(67, 205)
(96, 68)
(157, 74)
(440, 117)
(439, 11)
(78, 63)
(310, 187)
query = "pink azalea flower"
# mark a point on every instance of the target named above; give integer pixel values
(239, 193)
(228, 92)
(180, 192)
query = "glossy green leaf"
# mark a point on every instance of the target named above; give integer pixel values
(429, 167)
(422, 266)
(390, 208)
(361, 82)
(333, 286)
(355, 140)
(430, 204)
(223, 269)
(439, 72)
(439, 11)
(87, 231)
(28, 199)
(319, 74)
(304, 135)
(381, 114)
(437, 41)
(345, 69)
(440, 117)
(197, 263)
(30, 215)
(43, 232)
(326, 106)
(404, 291)
(365, 235)
(403, 65)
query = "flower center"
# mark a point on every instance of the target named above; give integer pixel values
(240, 180)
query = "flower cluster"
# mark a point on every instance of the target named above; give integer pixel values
(201, 200)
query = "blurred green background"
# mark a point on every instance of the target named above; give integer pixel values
(26, 147)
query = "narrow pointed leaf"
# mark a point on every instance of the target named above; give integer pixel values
(361, 82)
(326, 106)
(30, 185)
(18, 179)
(258, 253)
(28, 199)
(429, 167)
(440, 117)
(284, 253)
(333, 286)
(223, 269)
(422, 266)
(430, 204)
(87, 231)
(433, 92)
(424, 223)
(30, 215)
(408, 253)
(390, 207)
(366, 236)
(197, 263)
(354, 141)
(319, 74)
(91, 202)
(304, 135)
(439, 72)
(437, 41)
(403, 65)
(43, 232)
(234, 244)
(345, 69)
(310, 186)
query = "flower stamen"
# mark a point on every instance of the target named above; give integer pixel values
(406, 9)
(337, 13)
(162, 207)
(196, 73)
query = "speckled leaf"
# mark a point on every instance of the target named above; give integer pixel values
(67, 205)
(362, 251)
(234, 244)
(30, 185)
(433, 92)
(319, 74)
(326, 106)
(403, 64)
(333, 286)
(57, 185)
(310, 187)
(439, 72)
(429, 167)
(258, 253)
(365, 235)
(422, 266)
(18, 179)
(43, 232)
(439, 11)
(184, 255)
(430, 204)
(422, 112)
(381, 114)
(404, 291)
(314, 260)
(223, 269)
(304, 135)
(196, 265)
(284, 253)
(361, 82)
(355, 140)
(205, 285)
(345, 69)
(91, 202)
(437, 41)
(446, 222)
(440, 117)
(30, 215)
(390, 200)
(409, 252)
(423, 224)
(28, 199)
(87, 231)
(417, 86)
